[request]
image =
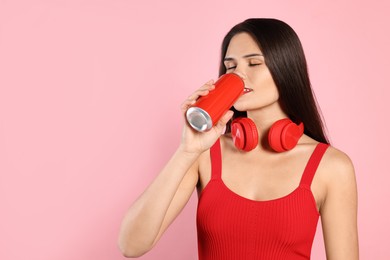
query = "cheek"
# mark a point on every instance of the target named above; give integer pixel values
(273, 90)
(268, 94)
(265, 86)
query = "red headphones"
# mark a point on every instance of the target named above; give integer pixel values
(283, 134)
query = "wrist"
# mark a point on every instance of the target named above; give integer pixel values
(189, 153)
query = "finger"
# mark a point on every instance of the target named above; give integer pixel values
(210, 82)
(202, 91)
(195, 96)
(186, 104)
(221, 125)
(198, 93)
(209, 85)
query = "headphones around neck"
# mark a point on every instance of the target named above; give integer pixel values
(283, 134)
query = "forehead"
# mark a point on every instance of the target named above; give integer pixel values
(242, 44)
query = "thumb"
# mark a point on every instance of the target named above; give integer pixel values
(221, 125)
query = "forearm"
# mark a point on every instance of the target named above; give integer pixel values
(143, 221)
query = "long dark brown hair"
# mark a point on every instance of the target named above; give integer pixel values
(285, 59)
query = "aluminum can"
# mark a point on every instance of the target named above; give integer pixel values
(209, 109)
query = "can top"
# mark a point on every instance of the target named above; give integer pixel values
(199, 119)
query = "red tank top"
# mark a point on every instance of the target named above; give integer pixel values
(233, 227)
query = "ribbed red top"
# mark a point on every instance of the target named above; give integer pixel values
(233, 227)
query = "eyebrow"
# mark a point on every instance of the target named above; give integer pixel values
(245, 56)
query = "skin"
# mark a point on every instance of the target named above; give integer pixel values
(333, 186)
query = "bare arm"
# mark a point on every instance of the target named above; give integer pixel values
(153, 211)
(339, 211)
(151, 214)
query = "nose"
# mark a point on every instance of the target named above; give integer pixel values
(240, 74)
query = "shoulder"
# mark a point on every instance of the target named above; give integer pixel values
(337, 173)
(334, 161)
(337, 165)
(339, 210)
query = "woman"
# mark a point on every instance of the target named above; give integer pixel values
(257, 204)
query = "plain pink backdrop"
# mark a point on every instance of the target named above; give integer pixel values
(89, 111)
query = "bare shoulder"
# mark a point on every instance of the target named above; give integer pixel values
(336, 175)
(339, 208)
(334, 181)
(336, 166)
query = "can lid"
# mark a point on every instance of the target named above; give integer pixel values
(199, 119)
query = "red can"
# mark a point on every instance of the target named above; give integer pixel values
(207, 110)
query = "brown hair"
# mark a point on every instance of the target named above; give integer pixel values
(284, 56)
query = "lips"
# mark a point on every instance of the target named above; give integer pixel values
(247, 90)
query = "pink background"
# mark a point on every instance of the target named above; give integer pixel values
(89, 111)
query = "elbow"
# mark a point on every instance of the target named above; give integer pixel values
(131, 253)
(132, 250)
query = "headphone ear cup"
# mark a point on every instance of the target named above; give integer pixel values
(244, 134)
(284, 135)
(238, 135)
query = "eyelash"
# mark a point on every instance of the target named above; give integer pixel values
(250, 65)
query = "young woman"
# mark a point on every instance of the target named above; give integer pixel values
(261, 203)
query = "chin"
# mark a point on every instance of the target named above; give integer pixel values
(240, 107)
(243, 105)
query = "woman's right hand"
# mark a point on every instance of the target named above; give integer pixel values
(198, 142)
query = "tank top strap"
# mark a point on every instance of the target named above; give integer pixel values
(312, 164)
(216, 160)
